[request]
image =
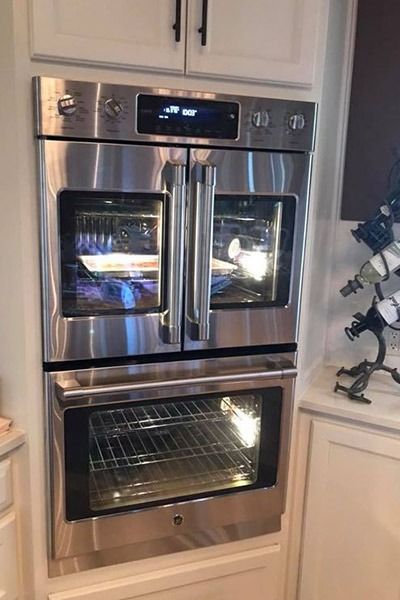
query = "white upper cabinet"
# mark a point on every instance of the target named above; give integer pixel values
(261, 40)
(129, 33)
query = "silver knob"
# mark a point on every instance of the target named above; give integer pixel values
(297, 122)
(66, 105)
(260, 118)
(112, 108)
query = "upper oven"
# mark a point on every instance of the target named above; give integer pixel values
(174, 223)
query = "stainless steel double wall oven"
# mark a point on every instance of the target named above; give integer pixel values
(173, 229)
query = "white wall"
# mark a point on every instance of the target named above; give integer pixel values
(325, 198)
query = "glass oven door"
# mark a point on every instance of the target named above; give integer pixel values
(246, 238)
(136, 455)
(113, 225)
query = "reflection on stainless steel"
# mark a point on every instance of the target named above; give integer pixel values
(214, 519)
(166, 450)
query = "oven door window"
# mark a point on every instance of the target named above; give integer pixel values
(110, 248)
(146, 454)
(252, 250)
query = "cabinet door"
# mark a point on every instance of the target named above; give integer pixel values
(261, 40)
(252, 574)
(134, 33)
(351, 546)
(8, 559)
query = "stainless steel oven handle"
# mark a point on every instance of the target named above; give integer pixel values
(71, 390)
(171, 318)
(203, 178)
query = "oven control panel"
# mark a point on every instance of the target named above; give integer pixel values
(96, 111)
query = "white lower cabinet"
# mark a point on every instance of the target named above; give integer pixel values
(351, 544)
(8, 558)
(250, 574)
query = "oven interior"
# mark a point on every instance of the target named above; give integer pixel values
(140, 454)
(112, 261)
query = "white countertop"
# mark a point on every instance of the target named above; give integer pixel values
(384, 411)
(11, 440)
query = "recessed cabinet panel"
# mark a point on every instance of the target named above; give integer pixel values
(8, 558)
(351, 546)
(261, 40)
(135, 33)
(5, 485)
(251, 574)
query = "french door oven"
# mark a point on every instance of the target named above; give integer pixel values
(157, 249)
(173, 225)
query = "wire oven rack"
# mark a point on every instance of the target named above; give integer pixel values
(151, 452)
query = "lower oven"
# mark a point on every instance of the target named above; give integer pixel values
(147, 459)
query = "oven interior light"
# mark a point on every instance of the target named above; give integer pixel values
(254, 263)
(245, 423)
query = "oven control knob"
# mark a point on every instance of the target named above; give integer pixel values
(67, 105)
(260, 118)
(112, 108)
(297, 122)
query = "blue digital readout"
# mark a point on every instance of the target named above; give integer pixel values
(176, 110)
(187, 117)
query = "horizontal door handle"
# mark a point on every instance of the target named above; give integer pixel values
(71, 392)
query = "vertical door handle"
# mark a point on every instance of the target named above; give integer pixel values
(178, 17)
(200, 251)
(171, 318)
(203, 29)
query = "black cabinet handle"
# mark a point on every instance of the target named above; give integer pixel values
(177, 25)
(203, 28)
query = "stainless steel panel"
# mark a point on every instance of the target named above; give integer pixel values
(90, 119)
(242, 172)
(152, 531)
(177, 543)
(96, 167)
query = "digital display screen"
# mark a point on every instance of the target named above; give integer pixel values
(187, 117)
